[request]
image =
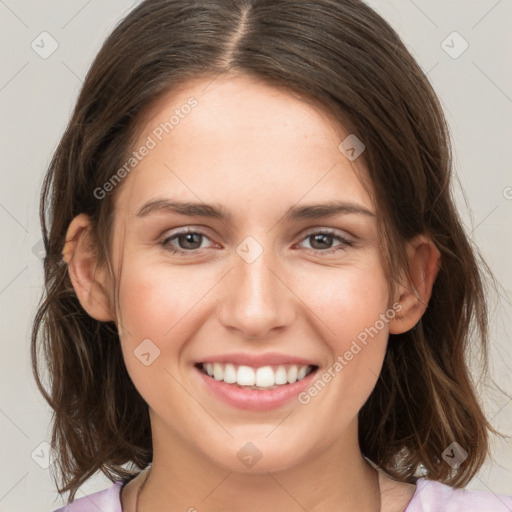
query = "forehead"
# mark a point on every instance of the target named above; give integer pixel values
(237, 140)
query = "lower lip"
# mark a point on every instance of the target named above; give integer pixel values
(255, 399)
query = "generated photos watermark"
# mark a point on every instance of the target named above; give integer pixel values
(343, 360)
(144, 150)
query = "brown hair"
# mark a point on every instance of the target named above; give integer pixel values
(339, 54)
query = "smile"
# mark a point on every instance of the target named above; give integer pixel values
(264, 377)
(252, 388)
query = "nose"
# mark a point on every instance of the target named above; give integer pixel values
(257, 300)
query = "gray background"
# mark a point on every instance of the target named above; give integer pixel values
(36, 98)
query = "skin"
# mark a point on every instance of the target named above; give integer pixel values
(257, 151)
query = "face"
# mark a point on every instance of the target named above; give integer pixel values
(252, 280)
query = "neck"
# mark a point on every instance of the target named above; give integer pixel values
(336, 478)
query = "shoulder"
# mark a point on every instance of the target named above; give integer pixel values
(107, 501)
(432, 496)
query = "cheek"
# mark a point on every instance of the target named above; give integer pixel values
(153, 305)
(165, 305)
(158, 309)
(347, 300)
(353, 308)
(154, 301)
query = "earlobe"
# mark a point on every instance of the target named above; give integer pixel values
(89, 281)
(424, 261)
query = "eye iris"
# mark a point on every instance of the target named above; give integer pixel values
(193, 240)
(189, 239)
(323, 238)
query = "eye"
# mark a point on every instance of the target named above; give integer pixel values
(321, 241)
(187, 240)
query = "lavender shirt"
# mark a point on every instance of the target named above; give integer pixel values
(429, 496)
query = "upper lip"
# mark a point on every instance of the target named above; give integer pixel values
(257, 360)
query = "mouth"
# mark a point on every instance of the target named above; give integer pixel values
(266, 377)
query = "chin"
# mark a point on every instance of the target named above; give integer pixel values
(257, 456)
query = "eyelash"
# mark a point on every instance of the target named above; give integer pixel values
(344, 242)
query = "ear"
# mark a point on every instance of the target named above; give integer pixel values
(424, 260)
(90, 282)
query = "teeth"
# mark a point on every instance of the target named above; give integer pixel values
(265, 377)
(230, 374)
(218, 371)
(245, 376)
(281, 377)
(292, 374)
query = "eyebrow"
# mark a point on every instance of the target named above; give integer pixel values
(311, 211)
